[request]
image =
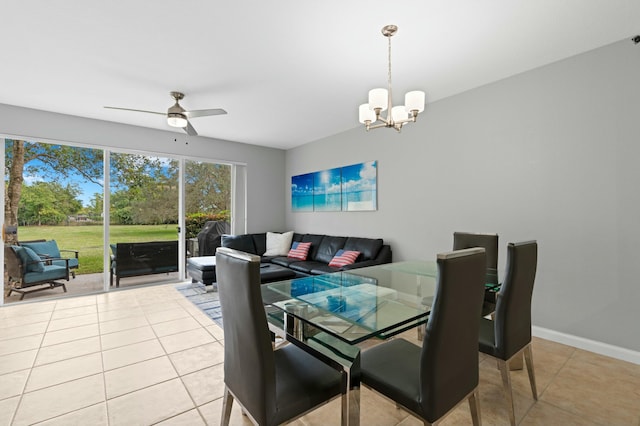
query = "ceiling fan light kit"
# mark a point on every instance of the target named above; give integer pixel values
(380, 100)
(178, 116)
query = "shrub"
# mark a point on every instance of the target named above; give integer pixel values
(194, 222)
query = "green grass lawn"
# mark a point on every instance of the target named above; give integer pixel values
(89, 242)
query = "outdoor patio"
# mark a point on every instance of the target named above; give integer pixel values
(92, 283)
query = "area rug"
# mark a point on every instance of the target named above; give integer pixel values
(204, 298)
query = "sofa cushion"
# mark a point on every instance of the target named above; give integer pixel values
(278, 244)
(329, 246)
(283, 261)
(306, 266)
(368, 247)
(260, 242)
(315, 240)
(299, 251)
(239, 242)
(344, 257)
(323, 269)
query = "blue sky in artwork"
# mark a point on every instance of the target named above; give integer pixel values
(359, 177)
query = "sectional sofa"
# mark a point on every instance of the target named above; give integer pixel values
(323, 248)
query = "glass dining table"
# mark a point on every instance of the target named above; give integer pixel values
(330, 315)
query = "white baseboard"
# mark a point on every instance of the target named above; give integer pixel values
(587, 344)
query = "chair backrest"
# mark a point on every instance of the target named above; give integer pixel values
(463, 240)
(249, 364)
(449, 359)
(512, 324)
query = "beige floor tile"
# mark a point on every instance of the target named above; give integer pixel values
(604, 394)
(204, 319)
(23, 330)
(197, 358)
(7, 409)
(122, 324)
(130, 354)
(116, 310)
(543, 414)
(64, 323)
(216, 331)
(64, 371)
(212, 414)
(73, 312)
(205, 385)
(186, 340)
(17, 361)
(12, 384)
(152, 305)
(190, 418)
(75, 302)
(95, 415)
(70, 334)
(68, 350)
(21, 320)
(121, 313)
(137, 376)
(375, 408)
(47, 403)
(175, 326)
(20, 344)
(126, 337)
(150, 405)
(27, 308)
(168, 315)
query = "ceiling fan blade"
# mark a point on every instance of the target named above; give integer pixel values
(136, 110)
(204, 112)
(190, 130)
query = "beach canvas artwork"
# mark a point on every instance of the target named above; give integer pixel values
(302, 193)
(327, 192)
(349, 188)
(359, 187)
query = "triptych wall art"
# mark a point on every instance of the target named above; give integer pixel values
(349, 188)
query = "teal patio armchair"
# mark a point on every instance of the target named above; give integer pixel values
(27, 272)
(48, 250)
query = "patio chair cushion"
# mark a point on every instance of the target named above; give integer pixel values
(49, 249)
(29, 258)
(50, 273)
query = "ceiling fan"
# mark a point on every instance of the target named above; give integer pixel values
(178, 116)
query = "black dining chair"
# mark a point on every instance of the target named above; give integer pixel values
(431, 380)
(509, 334)
(463, 240)
(272, 386)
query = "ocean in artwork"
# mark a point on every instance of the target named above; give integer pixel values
(359, 187)
(302, 193)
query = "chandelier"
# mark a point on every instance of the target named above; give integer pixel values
(380, 100)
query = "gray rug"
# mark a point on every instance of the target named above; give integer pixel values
(204, 298)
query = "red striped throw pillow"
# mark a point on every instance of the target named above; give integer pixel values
(344, 257)
(299, 251)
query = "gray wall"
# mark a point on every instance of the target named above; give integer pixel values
(265, 166)
(551, 154)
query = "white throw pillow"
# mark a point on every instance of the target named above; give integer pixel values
(278, 244)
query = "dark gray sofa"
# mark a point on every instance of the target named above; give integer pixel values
(373, 251)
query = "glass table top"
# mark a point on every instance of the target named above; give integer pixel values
(377, 301)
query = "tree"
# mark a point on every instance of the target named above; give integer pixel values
(50, 161)
(48, 203)
(207, 187)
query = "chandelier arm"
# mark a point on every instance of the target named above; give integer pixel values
(377, 126)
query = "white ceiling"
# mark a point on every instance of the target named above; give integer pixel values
(287, 71)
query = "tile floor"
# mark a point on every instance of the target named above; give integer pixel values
(148, 356)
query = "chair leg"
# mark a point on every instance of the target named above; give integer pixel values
(474, 406)
(506, 381)
(528, 356)
(227, 403)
